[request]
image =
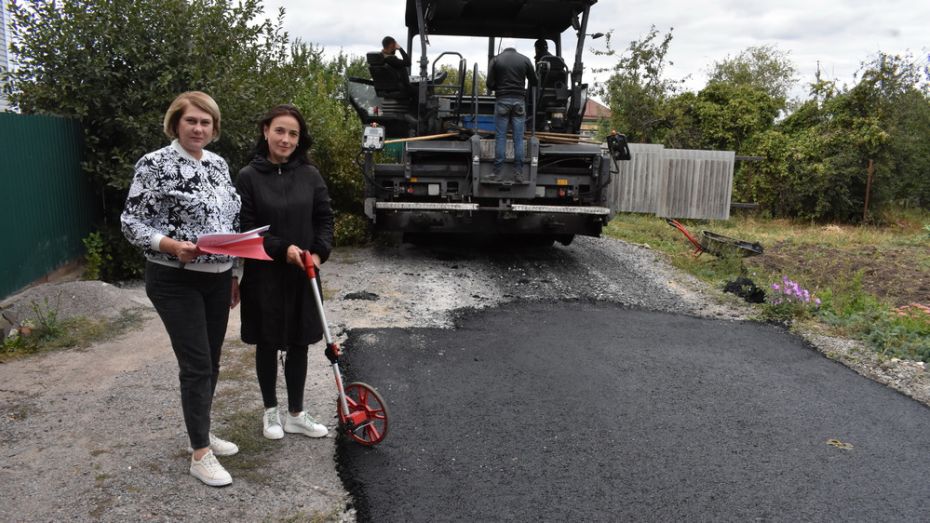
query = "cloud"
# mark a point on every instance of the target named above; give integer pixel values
(837, 34)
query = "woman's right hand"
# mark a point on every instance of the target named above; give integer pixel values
(295, 257)
(185, 252)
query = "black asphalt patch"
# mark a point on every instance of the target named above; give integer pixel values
(579, 411)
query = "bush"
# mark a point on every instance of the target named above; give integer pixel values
(336, 129)
(110, 257)
(351, 229)
(116, 65)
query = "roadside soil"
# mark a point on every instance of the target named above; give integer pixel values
(889, 273)
(96, 434)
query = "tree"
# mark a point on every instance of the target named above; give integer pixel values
(637, 92)
(722, 116)
(453, 79)
(116, 65)
(762, 67)
(817, 158)
(334, 126)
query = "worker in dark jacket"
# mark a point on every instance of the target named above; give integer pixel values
(390, 48)
(508, 74)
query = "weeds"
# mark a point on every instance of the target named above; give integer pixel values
(860, 306)
(856, 313)
(97, 257)
(51, 333)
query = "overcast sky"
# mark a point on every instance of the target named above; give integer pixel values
(837, 34)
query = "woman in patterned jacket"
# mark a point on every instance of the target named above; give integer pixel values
(178, 193)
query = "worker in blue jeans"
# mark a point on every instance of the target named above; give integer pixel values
(508, 75)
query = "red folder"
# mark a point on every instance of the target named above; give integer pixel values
(242, 245)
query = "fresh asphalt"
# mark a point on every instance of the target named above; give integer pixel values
(587, 411)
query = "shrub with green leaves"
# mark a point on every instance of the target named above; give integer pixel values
(816, 160)
(110, 257)
(351, 229)
(116, 65)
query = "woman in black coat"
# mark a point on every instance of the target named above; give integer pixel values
(282, 189)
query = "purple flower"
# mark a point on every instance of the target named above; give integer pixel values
(790, 291)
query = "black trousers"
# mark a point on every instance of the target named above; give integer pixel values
(295, 374)
(194, 306)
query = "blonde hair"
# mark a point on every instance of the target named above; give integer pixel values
(198, 99)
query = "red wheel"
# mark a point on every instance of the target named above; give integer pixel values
(367, 422)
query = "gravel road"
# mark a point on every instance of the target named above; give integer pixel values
(96, 434)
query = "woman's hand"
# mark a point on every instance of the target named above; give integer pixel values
(185, 252)
(295, 256)
(234, 295)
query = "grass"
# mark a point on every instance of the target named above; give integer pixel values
(18, 412)
(251, 463)
(50, 333)
(239, 415)
(866, 276)
(302, 517)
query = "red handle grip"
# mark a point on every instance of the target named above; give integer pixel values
(308, 264)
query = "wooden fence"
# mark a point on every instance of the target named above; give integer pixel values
(674, 183)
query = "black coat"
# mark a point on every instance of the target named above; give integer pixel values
(508, 73)
(277, 302)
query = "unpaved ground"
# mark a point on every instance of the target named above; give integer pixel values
(97, 434)
(893, 274)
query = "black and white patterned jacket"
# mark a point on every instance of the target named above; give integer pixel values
(173, 194)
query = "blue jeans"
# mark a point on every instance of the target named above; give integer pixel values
(509, 110)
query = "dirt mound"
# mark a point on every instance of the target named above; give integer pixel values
(87, 299)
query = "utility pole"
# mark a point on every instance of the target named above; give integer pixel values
(868, 190)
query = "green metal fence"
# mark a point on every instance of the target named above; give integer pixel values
(46, 202)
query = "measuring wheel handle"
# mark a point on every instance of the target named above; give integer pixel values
(362, 412)
(367, 419)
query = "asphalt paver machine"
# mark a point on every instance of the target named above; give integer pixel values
(440, 181)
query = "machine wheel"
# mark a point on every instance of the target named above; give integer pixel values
(540, 242)
(565, 239)
(367, 422)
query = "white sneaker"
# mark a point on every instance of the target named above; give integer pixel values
(271, 424)
(209, 470)
(220, 447)
(304, 424)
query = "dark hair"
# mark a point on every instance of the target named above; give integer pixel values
(541, 44)
(303, 142)
(388, 40)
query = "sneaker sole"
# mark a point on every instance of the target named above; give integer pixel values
(272, 436)
(213, 482)
(308, 434)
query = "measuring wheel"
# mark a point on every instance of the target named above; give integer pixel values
(367, 420)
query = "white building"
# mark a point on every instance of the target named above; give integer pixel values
(4, 51)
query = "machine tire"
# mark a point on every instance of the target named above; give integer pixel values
(565, 239)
